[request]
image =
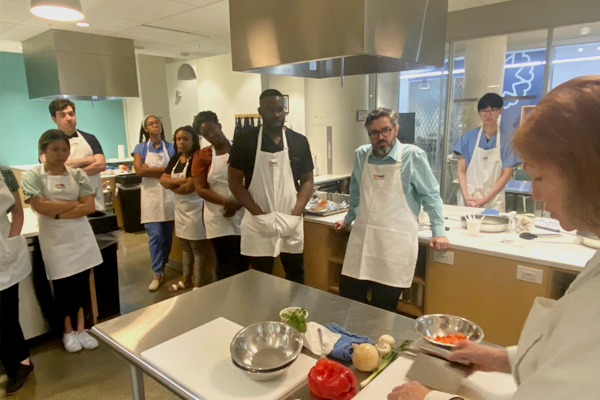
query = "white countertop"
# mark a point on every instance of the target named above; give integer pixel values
(329, 178)
(563, 252)
(30, 225)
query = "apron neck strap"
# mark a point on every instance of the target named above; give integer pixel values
(259, 143)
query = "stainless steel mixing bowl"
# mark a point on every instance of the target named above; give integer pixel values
(266, 349)
(432, 325)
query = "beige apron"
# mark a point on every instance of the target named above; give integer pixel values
(188, 211)
(80, 148)
(15, 263)
(273, 190)
(214, 221)
(68, 245)
(383, 244)
(484, 170)
(157, 203)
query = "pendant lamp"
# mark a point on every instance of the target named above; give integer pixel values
(186, 73)
(59, 10)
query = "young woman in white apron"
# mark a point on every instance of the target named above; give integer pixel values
(15, 265)
(150, 158)
(188, 210)
(558, 354)
(62, 198)
(222, 212)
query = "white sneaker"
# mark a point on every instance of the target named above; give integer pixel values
(71, 343)
(86, 340)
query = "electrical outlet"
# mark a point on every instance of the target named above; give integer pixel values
(530, 274)
(444, 257)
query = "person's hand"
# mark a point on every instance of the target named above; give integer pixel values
(339, 225)
(484, 358)
(230, 208)
(440, 243)
(409, 391)
(477, 203)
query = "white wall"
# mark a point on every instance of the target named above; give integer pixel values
(182, 109)
(387, 90)
(293, 87)
(328, 104)
(226, 92)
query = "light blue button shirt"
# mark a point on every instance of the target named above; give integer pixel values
(420, 186)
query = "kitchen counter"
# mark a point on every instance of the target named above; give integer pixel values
(563, 253)
(320, 179)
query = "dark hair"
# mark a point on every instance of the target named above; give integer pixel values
(60, 104)
(191, 131)
(270, 93)
(563, 131)
(50, 136)
(380, 113)
(202, 117)
(144, 136)
(491, 100)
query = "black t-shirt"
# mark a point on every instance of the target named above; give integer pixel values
(180, 166)
(243, 153)
(92, 141)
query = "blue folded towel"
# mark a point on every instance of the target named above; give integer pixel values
(488, 211)
(342, 349)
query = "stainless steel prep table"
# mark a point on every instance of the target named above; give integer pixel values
(244, 299)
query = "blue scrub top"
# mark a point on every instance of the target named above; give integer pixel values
(142, 149)
(466, 146)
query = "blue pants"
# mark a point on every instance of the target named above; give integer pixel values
(160, 235)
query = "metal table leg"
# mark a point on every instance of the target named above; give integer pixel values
(137, 383)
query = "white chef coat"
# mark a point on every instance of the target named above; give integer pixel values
(558, 356)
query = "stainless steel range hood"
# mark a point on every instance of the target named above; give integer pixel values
(328, 38)
(79, 66)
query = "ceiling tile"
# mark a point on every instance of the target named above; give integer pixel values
(4, 26)
(98, 24)
(176, 51)
(13, 12)
(158, 35)
(215, 45)
(222, 6)
(22, 32)
(147, 45)
(198, 3)
(135, 10)
(199, 20)
(493, 1)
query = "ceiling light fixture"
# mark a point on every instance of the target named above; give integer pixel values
(20, 47)
(424, 85)
(59, 10)
(585, 30)
(186, 73)
(83, 24)
(580, 49)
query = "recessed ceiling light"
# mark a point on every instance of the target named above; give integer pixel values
(82, 24)
(20, 47)
(585, 30)
(60, 10)
(580, 49)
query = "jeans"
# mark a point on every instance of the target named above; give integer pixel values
(382, 296)
(160, 235)
(293, 264)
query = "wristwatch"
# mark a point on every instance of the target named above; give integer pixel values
(57, 216)
(457, 398)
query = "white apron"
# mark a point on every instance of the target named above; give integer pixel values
(273, 190)
(188, 211)
(80, 148)
(157, 203)
(484, 170)
(68, 245)
(15, 263)
(383, 244)
(214, 221)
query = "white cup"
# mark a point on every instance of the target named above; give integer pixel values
(473, 227)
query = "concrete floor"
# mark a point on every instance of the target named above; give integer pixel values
(99, 374)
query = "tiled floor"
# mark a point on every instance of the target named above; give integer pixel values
(99, 374)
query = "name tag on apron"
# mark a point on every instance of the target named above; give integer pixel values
(59, 185)
(378, 177)
(273, 163)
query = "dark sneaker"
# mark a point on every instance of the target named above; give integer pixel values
(16, 383)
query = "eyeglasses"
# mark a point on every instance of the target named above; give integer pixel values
(374, 134)
(155, 122)
(490, 111)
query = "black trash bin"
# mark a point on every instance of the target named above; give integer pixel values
(129, 188)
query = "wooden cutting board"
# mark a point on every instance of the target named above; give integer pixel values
(200, 361)
(479, 386)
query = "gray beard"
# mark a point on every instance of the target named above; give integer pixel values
(381, 152)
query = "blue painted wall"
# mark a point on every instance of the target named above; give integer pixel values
(22, 121)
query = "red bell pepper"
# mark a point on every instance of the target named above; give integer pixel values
(331, 380)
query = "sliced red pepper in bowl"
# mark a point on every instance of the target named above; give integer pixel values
(332, 381)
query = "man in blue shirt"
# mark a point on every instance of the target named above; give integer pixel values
(389, 184)
(485, 159)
